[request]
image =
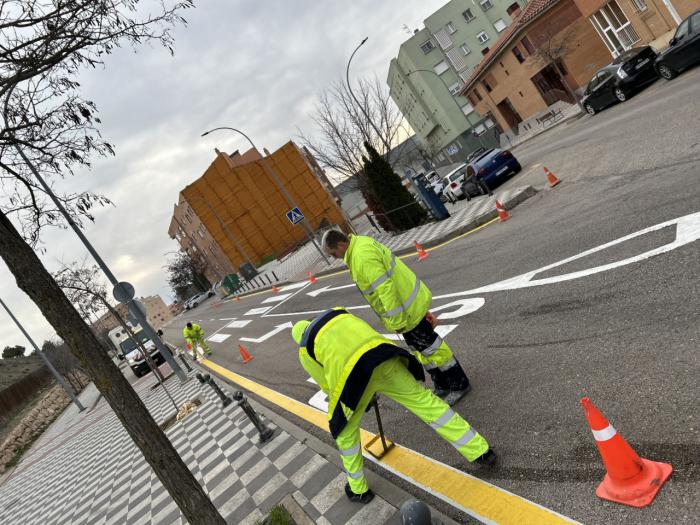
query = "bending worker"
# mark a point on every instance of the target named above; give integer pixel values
(402, 303)
(194, 335)
(351, 362)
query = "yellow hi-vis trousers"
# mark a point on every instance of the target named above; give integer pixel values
(198, 342)
(393, 379)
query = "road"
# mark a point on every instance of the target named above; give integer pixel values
(624, 334)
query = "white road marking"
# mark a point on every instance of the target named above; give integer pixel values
(311, 380)
(293, 286)
(325, 289)
(277, 298)
(218, 338)
(258, 311)
(227, 319)
(301, 287)
(239, 324)
(319, 401)
(466, 306)
(269, 334)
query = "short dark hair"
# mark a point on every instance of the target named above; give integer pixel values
(189, 325)
(331, 239)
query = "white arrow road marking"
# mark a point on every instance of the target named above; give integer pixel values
(293, 286)
(227, 319)
(269, 334)
(466, 306)
(277, 298)
(239, 324)
(258, 311)
(218, 338)
(325, 289)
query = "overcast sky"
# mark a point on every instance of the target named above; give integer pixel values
(257, 65)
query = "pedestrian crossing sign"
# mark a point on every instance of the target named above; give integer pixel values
(295, 216)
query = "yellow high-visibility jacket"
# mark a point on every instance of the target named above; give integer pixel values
(340, 351)
(194, 334)
(393, 291)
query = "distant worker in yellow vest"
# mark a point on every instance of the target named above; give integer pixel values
(194, 335)
(402, 303)
(351, 362)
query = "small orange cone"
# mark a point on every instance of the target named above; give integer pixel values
(503, 215)
(238, 298)
(312, 279)
(551, 178)
(244, 354)
(422, 254)
(275, 289)
(630, 480)
(189, 346)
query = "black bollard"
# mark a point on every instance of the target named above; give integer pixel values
(185, 362)
(416, 512)
(265, 432)
(206, 378)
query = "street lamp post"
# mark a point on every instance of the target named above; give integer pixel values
(449, 93)
(48, 364)
(137, 313)
(359, 105)
(281, 187)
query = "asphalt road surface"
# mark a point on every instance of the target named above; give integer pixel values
(625, 333)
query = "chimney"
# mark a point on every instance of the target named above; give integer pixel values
(266, 151)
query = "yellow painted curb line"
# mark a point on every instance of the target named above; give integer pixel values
(480, 499)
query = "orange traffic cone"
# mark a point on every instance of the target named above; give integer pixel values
(551, 178)
(245, 355)
(630, 480)
(189, 346)
(503, 215)
(275, 289)
(422, 254)
(238, 298)
(312, 279)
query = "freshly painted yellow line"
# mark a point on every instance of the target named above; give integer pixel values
(482, 500)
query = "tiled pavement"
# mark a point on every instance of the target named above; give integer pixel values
(88, 471)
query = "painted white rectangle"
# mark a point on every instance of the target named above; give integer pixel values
(218, 338)
(293, 286)
(239, 324)
(258, 311)
(276, 298)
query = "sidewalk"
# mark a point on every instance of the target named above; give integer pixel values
(86, 469)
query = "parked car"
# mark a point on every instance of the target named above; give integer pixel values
(453, 183)
(195, 300)
(684, 48)
(487, 171)
(134, 356)
(617, 81)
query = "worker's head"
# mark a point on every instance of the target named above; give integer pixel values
(335, 243)
(298, 330)
(160, 333)
(189, 325)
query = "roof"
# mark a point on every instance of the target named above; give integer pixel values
(531, 12)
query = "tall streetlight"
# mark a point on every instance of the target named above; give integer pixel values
(281, 187)
(449, 93)
(387, 146)
(48, 364)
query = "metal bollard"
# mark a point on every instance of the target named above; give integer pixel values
(185, 362)
(275, 276)
(206, 378)
(416, 512)
(269, 281)
(265, 432)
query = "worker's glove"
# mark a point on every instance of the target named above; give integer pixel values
(431, 319)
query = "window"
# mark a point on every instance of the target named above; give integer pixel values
(639, 5)
(480, 129)
(456, 58)
(485, 5)
(464, 75)
(482, 37)
(682, 31)
(467, 108)
(465, 50)
(489, 122)
(454, 88)
(485, 51)
(513, 8)
(477, 94)
(487, 85)
(527, 45)
(468, 15)
(499, 25)
(427, 46)
(450, 28)
(441, 67)
(518, 55)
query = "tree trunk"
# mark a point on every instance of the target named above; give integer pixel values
(36, 282)
(566, 84)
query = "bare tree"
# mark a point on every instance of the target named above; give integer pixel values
(43, 45)
(66, 363)
(553, 46)
(343, 127)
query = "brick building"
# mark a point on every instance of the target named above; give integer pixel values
(238, 201)
(551, 51)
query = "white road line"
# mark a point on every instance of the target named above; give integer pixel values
(277, 298)
(218, 338)
(293, 286)
(258, 311)
(227, 319)
(239, 324)
(301, 288)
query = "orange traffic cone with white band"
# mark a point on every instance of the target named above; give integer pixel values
(551, 178)
(244, 354)
(422, 254)
(312, 279)
(275, 289)
(630, 480)
(238, 298)
(503, 215)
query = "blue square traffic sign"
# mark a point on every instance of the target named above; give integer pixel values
(295, 216)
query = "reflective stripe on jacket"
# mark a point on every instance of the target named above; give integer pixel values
(393, 291)
(340, 351)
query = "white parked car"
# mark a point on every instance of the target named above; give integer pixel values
(195, 301)
(453, 183)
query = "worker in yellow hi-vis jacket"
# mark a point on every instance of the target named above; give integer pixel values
(194, 335)
(351, 362)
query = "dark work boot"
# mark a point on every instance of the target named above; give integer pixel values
(359, 498)
(487, 459)
(455, 395)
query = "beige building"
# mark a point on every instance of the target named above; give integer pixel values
(157, 313)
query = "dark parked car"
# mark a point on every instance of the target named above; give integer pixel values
(490, 169)
(684, 48)
(627, 74)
